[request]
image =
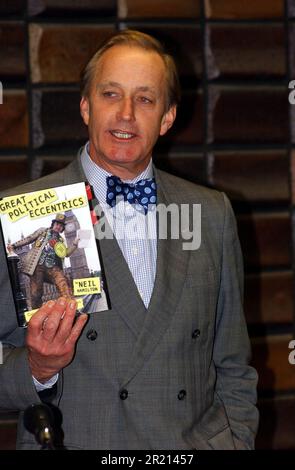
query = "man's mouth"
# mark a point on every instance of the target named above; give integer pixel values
(123, 135)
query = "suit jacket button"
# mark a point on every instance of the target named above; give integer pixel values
(181, 395)
(91, 335)
(123, 394)
(196, 333)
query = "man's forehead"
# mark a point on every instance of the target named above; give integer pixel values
(125, 52)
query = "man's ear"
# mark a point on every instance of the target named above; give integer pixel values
(168, 120)
(84, 109)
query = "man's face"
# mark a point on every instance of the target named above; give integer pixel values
(57, 227)
(126, 112)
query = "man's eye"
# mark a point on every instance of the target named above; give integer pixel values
(109, 94)
(145, 99)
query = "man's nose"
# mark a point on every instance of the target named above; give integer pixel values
(126, 111)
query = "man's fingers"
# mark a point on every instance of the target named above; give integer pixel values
(51, 323)
(36, 323)
(77, 328)
(66, 323)
(54, 324)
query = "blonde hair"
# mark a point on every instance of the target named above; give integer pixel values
(143, 41)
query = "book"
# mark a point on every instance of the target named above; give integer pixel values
(51, 249)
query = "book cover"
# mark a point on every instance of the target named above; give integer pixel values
(51, 249)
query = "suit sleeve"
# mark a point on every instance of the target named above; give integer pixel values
(17, 390)
(236, 381)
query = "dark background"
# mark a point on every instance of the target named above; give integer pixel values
(235, 131)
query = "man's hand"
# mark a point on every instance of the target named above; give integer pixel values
(52, 336)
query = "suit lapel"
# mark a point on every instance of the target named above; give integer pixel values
(124, 296)
(172, 262)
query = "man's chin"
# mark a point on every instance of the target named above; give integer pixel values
(123, 158)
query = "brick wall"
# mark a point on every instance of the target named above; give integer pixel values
(235, 131)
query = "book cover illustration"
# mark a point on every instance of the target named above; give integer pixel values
(51, 249)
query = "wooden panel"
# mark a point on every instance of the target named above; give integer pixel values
(266, 239)
(158, 9)
(251, 176)
(58, 53)
(242, 115)
(189, 126)
(45, 165)
(270, 358)
(14, 170)
(291, 49)
(246, 50)
(292, 118)
(14, 119)
(61, 7)
(269, 297)
(277, 427)
(57, 119)
(293, 174)
(189, 166)
(292, 70)
(184, 44)
(231, 9)
(8, 421)
(12, 54)
(7, 436)
(12, 6)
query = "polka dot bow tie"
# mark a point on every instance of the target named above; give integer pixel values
(144, 192)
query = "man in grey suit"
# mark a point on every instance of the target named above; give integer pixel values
(168, 366)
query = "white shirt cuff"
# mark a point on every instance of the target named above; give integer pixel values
(48, 384)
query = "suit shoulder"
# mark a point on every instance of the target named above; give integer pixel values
(216, 208)
(185, 191)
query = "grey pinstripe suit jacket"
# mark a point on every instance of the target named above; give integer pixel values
(152, 354)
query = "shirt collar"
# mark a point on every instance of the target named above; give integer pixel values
(96, 176)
